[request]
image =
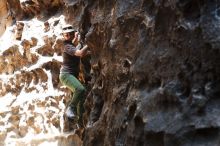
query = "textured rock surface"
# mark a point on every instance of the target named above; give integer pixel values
(32, 100)
(155, 69)
(5, 18)
(21, 9)
(158, 65)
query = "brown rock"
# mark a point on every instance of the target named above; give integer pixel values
(14, 118)
(15, 110)
(33, 41)
(5, 18)
(13, 128)
(19, 30)
(46, 26)
(2, 123)
(26, 44)
(58, 45)
(56, 122)
(71, 140)
(2, 136)
(31, 7)
(31, 107)
(30, 121)
(41, 103)
(23, 130)
(10, 69)
(37, 129)
(45, 50)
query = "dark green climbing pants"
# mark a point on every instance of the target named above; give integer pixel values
(78, 92)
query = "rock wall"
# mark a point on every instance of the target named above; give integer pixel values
(32, 99)
(5, 18)
(156, 67)
(155, 71)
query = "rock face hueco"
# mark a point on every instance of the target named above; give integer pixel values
(155, 71)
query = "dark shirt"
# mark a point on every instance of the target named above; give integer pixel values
(71, 63)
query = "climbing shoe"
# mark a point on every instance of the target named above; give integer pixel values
(71, 113)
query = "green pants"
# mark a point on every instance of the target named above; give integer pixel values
(78, 90)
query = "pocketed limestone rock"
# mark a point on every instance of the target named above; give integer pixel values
(19, 30)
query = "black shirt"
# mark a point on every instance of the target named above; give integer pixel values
(71, 63)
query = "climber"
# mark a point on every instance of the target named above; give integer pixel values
(70, 71)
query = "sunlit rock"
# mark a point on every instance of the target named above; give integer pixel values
(2, 137)
(30, 7)
(155, 73)
(31, 107)
(10, 69)
(15, 110)
(23, 130)
(37, 129)
(58, 45)
(34, 41)
(46, 50)
(36, 7)
(46, 26)
(19, 30)
(15, 60)
(71, 140)
(54, 67)
(26, 47)
(5, 16)
(56, 122)
(30, 121)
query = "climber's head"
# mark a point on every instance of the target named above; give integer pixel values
(68, 32)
